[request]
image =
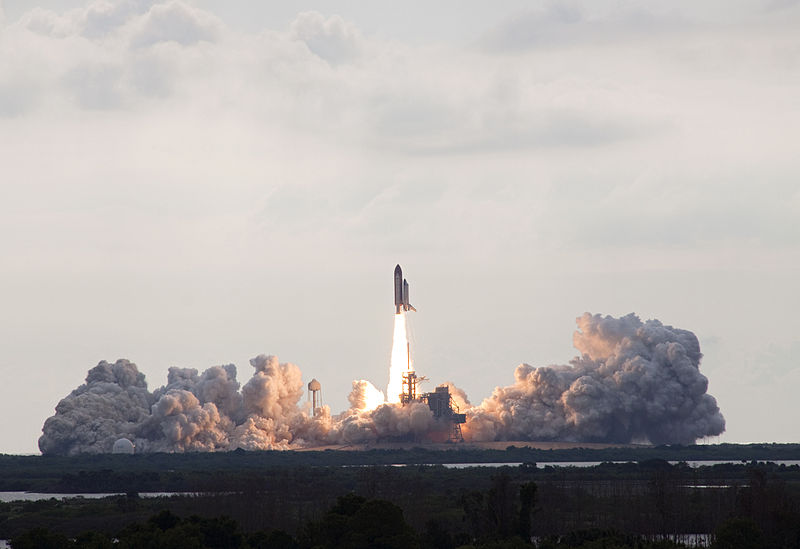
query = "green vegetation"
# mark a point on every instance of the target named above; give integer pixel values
(175, 472)
(508, 513)
(310, 499)
(646, 504)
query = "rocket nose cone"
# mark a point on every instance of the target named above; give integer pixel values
(397, 269)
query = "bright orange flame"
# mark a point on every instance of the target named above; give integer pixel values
(400, 359)
(373, 398)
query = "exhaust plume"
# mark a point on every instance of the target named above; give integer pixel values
(365, 396)
(401, 361)
(633, 382)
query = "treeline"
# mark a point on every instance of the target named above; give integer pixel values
(339, 479)
(650, 500)
(168, 472)
(503, 516)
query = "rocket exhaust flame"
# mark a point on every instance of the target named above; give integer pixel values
(401, 359)
(401, 351)
(365, 397)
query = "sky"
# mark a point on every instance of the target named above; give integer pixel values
(194, 183)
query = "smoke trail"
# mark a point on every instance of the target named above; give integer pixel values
(634, 381)
(401, 360)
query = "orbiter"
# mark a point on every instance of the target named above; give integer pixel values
(401, 292)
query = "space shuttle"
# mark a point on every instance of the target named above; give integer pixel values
(401, 292)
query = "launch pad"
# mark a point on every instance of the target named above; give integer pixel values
(440, 402)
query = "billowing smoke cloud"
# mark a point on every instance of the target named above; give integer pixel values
(113, 403)
(208, 412)
(634, 381)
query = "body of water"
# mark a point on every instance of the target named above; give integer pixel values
(543, 464)
(7, 497)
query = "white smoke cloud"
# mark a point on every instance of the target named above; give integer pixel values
(188, 425)
(386, 422)
(113, 403)
(274, 388)
(634, 381)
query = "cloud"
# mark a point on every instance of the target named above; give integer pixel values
(109, 56)
(405, 99)
(192, 164)
(19, 93)
(175, 22)
(333, 39)
(627, 114)
(140, 22)
(564, 129)
(48, 23)
(560, 24)
(96, 86)
(781, 5)
(103, 16)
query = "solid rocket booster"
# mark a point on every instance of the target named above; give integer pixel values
(401, 292)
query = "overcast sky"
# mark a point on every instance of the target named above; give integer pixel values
(193, 183)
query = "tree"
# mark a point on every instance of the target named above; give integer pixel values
(93, 540)
(275, 539)
(500, 500)
(40, 538)
(738, 533)
(527, 503)
(356, 523)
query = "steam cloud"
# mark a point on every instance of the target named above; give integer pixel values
(634, 382)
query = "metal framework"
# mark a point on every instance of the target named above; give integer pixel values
(440, 401)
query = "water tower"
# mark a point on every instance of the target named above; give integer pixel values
(315, 395)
